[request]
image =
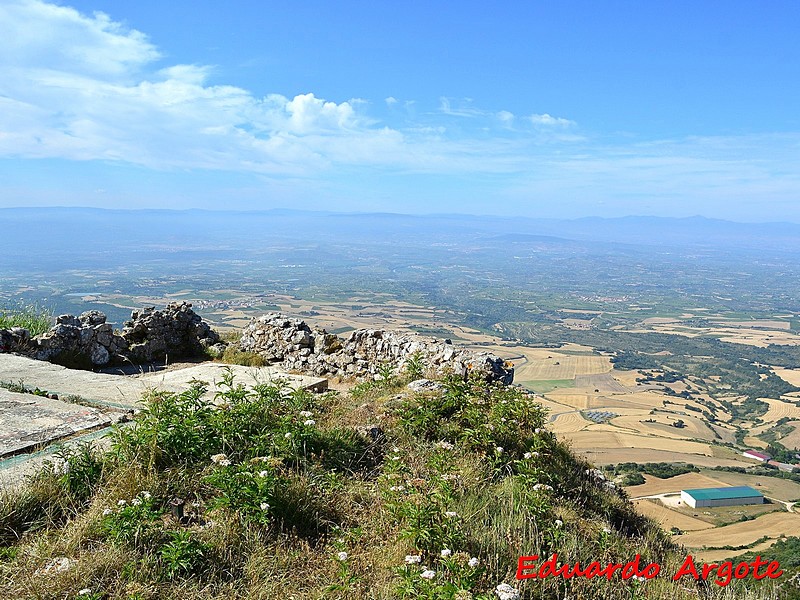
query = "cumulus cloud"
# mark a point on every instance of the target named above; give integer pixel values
(84, 87)
(548, 121)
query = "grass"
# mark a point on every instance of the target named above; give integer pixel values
(264, 492)
(34, 318)
(543, 386)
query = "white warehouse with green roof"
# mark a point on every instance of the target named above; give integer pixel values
(724, 496)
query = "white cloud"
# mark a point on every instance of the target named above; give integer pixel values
(548, 121)
(35, 34)
(86, 88)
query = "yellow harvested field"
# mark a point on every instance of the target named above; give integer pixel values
(754, 442)
(626, 378)
(763, 324)
(668, 518)
(655, 485)
(608, 456)
(709, 556)
(790, 375)
(569, 423)
(773, 524)
(583, 400)
(772, 487)
(562, 366)
(779, 409)
(660, 320)
(663, 427)
(793, 439)
(601, 439)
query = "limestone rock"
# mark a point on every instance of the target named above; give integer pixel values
(177, 331)
(365, 352)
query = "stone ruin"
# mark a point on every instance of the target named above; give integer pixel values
(175, 332)
(86, 337)
(88, 341)
(296, 347)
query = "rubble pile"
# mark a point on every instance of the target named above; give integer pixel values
(298, 347)
(177, 331)
(87, 336)
(88, 341)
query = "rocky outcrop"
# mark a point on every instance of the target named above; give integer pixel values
(86, 340)
(15, 339)
(177, 331)
(296, 346)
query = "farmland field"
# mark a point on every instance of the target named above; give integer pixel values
(669, 518)
(654, 486)
(772, 525)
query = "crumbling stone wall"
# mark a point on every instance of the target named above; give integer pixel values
(176, 331)
(296, 346)
(86, 337)
(88, 341)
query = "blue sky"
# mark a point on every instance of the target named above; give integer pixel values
(549, 109)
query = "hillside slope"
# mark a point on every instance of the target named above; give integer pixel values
(379, 492)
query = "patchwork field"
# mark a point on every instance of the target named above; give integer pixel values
(790, 375)
(669, 518)
(772, 525)
(779, 409)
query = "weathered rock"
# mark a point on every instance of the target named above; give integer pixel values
(364, 352)
(14, 340)
(424, 385)
(87, 340)
(78, 341)
(175, 332)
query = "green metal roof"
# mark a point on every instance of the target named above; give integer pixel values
(724, 493)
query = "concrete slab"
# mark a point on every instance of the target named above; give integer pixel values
(28, 421)
(125, 391)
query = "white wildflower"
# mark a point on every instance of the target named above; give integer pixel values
(558, 523)
(85, 592)
(474, 562)
(537, 431)
(136, 502)
(121, 502)
(499, 450)
(146, 495)
(220, 459)
(446, 552)
(287, 435)
(107, 512)
(342, 556)
(305, 413)
(527, 455)
(606, 530)
(263, 473)
(506, 592)
(451, 514)
(428, 574)
(264, 506)
(309, 422)
(394, 457)
(445, 445)
(396, 488)
(413, 559)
